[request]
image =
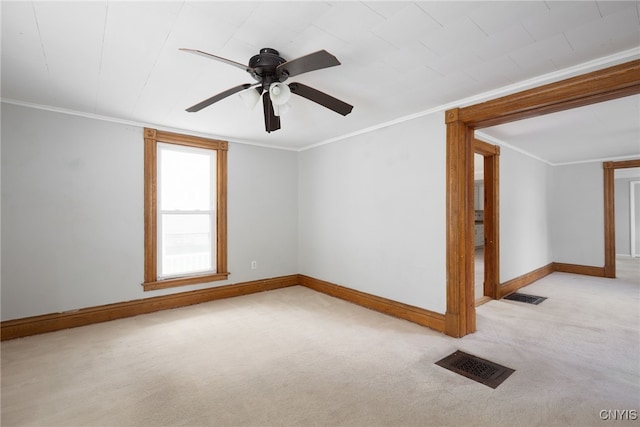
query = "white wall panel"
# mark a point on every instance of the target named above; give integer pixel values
(622, 215)
(525, 244)
(262, 212)
(577, 214)
(372, 213)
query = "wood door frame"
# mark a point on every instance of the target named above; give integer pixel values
(491, 155)
(609, 213)
(632, 216)
(598, 86)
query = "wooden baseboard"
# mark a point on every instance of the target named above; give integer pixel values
(482, 300)
(586, 270)
(56, 321)
(513, 285)
(24, 327)
(413, 314)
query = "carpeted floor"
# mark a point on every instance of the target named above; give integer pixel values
(294, 357)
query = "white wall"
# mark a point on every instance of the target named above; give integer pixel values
(525, 243)
(367, 213)
(577, 214)
(72, 213)
(372, 212)
(262, 212)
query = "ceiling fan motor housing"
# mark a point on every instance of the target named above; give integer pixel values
(264, 65)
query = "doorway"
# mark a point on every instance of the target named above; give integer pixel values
(609, 213)
(626, 197)
(602, 85)
(634, 218)
(628, 265)
(486, 221)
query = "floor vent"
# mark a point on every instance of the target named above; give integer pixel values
(480, 370)
(529, 299)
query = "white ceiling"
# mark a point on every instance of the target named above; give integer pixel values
(400, 59)
(609, 130)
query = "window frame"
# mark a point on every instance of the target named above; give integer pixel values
(151, 139)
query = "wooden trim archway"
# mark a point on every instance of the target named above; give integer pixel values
(609, 213)
(598, 86)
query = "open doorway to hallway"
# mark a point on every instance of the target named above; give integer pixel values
(627, 223)
(478, 207)
(486, 221)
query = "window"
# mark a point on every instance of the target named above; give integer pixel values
(185, 210)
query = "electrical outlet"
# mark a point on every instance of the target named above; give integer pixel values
(254, 265)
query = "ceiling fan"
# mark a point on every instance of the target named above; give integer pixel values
(271, 70)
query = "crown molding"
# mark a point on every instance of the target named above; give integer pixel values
(488, 138)
(126, 122)
(585, 67)
(633, 173)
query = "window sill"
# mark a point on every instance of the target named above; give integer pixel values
(184, 281)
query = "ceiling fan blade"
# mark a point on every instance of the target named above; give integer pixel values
(215, 98)
(313, 61)
(271, 121)
(218, 58)
(321, 98)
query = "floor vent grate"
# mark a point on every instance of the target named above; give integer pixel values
(529, 299)
(475, 368)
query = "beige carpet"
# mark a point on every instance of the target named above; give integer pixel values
(294, 357)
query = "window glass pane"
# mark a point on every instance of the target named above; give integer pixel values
(187, 243)
(185, 180)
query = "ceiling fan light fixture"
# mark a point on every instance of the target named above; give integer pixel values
(250, 97)
(279, 93)
(279, 110)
